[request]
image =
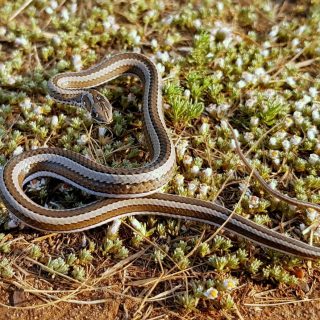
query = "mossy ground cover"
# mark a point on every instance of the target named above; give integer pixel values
(252, 63)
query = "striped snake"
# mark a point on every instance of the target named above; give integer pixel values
(125, 192)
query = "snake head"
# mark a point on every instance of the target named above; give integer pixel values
(98, 105)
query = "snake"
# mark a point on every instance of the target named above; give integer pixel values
(126, 192)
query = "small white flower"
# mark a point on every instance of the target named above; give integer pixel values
(11, 80)
(181, 148)
(3, 31)
(151, 13)
(36, 184)
(49, 10)
(65, 14)
(312, 214)
(312, 133)
(273, 184)
(233, 145)
(133, 35)
(223, 107)
(251, 102)
(3, 68)
(265, 78)
(315, 115)
(197, 23)
(236, 132)
(195, 170)
(211, 293)
(273, 141)
(220, 62)
(291, 82)
(314, 158)
(248, 77)
(299, 105)
(168, 20)
(38, 110)
(244, 188)
(192, 186)
(114, 228)
(207, 172)
(77, 62)
(187, 93)
(265, 52)
(248, 136)
(211, 108)
(313, 92)
(26, 104)
(269, 93)
(220, 6)
(154, 43)
(295, 42)
(224, 125)
(239, 62)
(274, 31)
(302, 226)
(163, 56)
(83, 139)
(110, 24)
(226, 42)
(21, 41)
(161, 68)
(179, 179)
(297, 114)
(18, 150)
(276, 161)
(54, 4)
(289, 122)
(169, 41)
(281, 134)
(254, 121)
(267, 44)
(135, 223)
(229, 284)
(295, 140)
(54, 121)
(203, 189)
(14, 222)
(259, 72)
(298, 118)
(204, 128)
(241, 84)
(102, 131)
(218, 74)
(254, 202)
(74, 7)
(286, 145)
(187, 160)
(301, 29)
(306, 99)
(56, 40)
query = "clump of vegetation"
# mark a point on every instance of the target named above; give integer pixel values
(219, 60)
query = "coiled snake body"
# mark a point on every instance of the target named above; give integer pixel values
(125, 191)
